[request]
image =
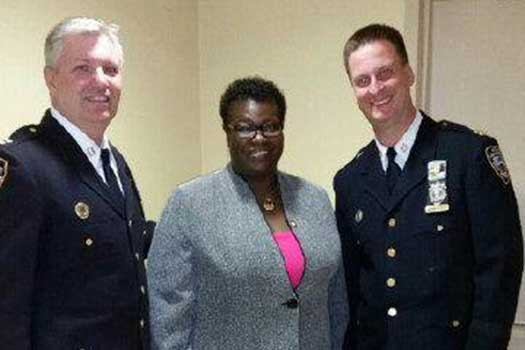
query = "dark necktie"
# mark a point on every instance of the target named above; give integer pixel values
(393, 170)
(111, 179)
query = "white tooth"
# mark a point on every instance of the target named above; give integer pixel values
(99, 99)
(382, 102)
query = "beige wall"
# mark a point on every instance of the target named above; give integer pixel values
(157, 126)
(297, 44)
(181, 54)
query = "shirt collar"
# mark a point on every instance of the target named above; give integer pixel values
(90, 148)
(403, 146)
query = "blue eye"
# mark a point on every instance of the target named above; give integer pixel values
(362, 81)
(385, 74)
(83, 68)
(111, 70)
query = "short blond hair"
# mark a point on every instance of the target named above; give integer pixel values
(78, 25)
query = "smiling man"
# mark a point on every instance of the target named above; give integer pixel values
(428, 219)
(73, 236)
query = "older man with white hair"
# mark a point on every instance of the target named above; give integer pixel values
(73, 237)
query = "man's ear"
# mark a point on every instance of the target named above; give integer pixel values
(49, 77)
(411, 75)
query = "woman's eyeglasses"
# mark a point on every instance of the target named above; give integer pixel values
(248, 131)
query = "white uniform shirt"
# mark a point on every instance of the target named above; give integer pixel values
(89, 147)
(403, 146)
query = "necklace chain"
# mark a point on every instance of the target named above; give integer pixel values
(272, 198)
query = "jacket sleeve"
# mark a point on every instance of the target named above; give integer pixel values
(338, 308)
(337, 296)
(498, 248)
(150, 229)
(351, 255)
(171, 279)
(20, 224)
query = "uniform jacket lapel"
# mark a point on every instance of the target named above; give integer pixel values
(415, 170)
(125, 179)
(373, 175)
(75, 157)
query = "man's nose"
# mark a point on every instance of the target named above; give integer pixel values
(375, 86)
(100, 76)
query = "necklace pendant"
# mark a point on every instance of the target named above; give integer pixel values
(269, 205)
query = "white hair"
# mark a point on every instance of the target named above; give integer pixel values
(78, 25)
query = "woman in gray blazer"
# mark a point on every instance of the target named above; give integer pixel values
(248, 257)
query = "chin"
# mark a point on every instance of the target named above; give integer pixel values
(258, 172)
(376, 116)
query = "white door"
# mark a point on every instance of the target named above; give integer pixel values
(473, 64)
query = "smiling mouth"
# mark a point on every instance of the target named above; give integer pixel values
(259, 153)
(98, 99)
(382, 102)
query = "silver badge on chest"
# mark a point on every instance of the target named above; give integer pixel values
(437, 200)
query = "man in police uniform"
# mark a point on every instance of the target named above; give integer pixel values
(72, 231)
(428, 218)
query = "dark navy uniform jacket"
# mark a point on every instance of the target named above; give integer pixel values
(72, 274)
(446, 280)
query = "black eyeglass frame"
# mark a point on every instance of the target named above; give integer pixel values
(248, 131)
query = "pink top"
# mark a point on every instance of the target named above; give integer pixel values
(293, 256)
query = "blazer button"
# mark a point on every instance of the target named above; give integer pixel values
(292, 303)
(391, 252)
(392, 222)
(392, 312)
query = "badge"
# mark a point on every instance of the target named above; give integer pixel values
(437, 170)
(437, 200)
(358, 216)
(3, 170)
(496, 161)
(82, 210)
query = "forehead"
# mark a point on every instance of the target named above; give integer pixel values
(251, 109)
(371, 56)
(89, 46)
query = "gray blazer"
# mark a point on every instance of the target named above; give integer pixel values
(217, 278)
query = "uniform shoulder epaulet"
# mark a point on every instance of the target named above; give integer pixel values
(4, 166)
(451, 126)
(353, 162)
(5, 141)
(24, 133)
(448, 125)
(358, 155)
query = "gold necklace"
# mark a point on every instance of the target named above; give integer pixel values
(270, 204)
